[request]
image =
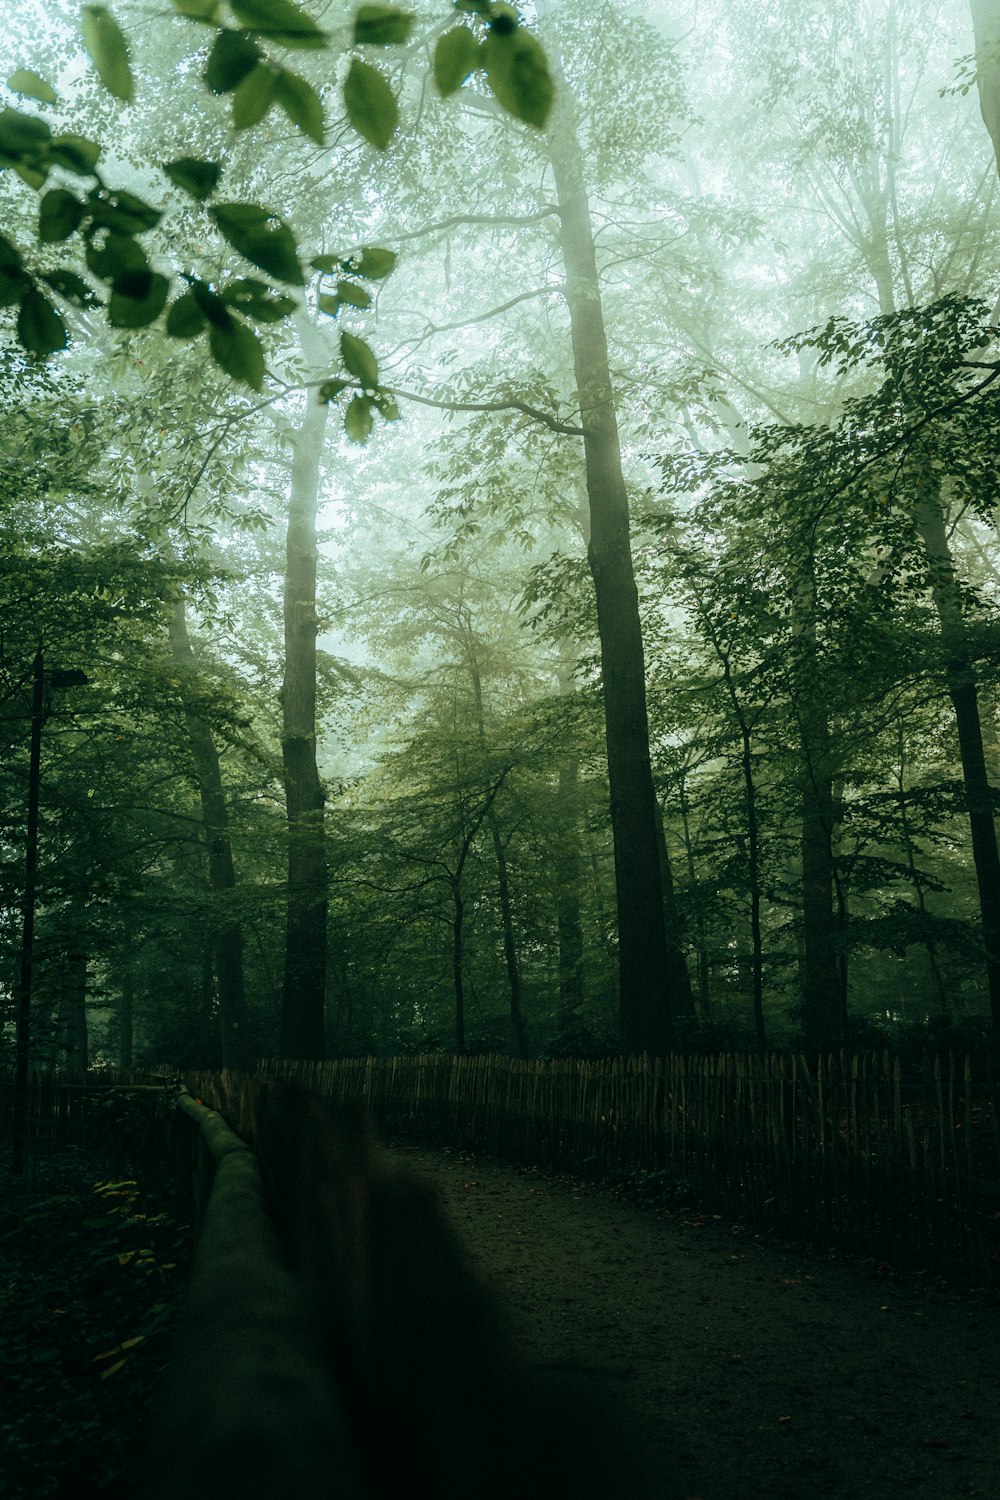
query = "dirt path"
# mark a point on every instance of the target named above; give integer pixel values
(755, 1369)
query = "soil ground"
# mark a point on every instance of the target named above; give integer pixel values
(752, 1366)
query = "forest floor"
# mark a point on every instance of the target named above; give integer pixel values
(753, 1366)
(748, 1365)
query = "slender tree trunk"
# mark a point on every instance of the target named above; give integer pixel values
(916, 879)
(503, 885)
(126, 1003)
(227, 940)
(821, 977)
(304, 995)
(22, 1045)
(960, 680)
(567, 884)
(457, 958)
(73, 1039)
(700, 935)
(646, 998)
(678, 978)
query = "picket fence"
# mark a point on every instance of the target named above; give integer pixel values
(901, 1163)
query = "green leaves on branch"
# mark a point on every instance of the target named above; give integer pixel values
(511, 58)
(109, 220)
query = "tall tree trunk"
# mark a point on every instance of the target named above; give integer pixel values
(986, 30)
(567, 890)
(700, 935)
(304, 995)
(821, 974)
(73, 1040)
(503, 883)
(646, 995)
(126, 1002)
(678, 978)
(960, 681)
(227, 937)
(457, 959)
(916, 879)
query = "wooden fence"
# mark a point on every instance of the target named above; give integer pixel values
(70, 1109)
(902, 1164)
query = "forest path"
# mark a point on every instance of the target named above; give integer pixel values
(754, 1368)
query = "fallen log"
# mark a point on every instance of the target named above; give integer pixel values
(337, 1323)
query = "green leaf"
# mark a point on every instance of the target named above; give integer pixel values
(103, 39)
(40, 329)
(232, 57)
(35, 176)
(381, 26)
(279, 21)
(127, 310)
(330, 390)
(122, 212)
(115, 257)
(370, 103)
(358, 418)
(238, 351)
(387, 407)
(375, 262)
(455, 57)
(199, 178)
(75, 153)
(13, 285)
(359, 360)
(197, 10)
(264, 239)
(32, 85)
(518, 74)
(11, 258)
(347, 293)
(256, 300)
(253, 97)
(302, 105)
(71, 286)
(22, 134)
(212, 306)
(60, 214)
(327, 263)
(185, 319)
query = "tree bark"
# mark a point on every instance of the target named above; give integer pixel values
(304, 995)
(567, 883)
(503, 885)
(960, 681)
(646, 996)
(227, 939)
(820, 971)
(986, 30)
(457, 959)
(72, 1043)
